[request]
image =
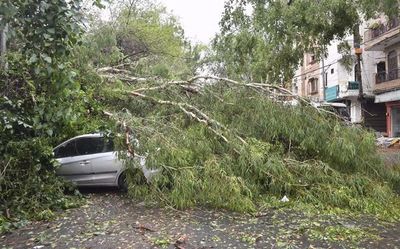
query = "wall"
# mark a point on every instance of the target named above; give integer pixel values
(311, 70)
(332, 61)
(370, 59)
(355, 111)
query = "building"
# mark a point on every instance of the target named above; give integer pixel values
(306, 82)
(332, 78)
(339, 72)
(329, 79)
(383, 36)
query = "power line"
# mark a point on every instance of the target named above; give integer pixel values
(327, 66)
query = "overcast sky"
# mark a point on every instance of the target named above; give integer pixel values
(199, 18)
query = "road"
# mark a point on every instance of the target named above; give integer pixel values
(111, 220)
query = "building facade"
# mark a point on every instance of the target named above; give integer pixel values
(333, 79)
(383, 36)
(341, 85)
(329, 79)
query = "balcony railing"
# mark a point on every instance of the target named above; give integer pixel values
(387, 76)
(342, 91)
(353, 85)
(371, 34)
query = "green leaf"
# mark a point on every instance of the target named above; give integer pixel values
(32, 59)
(49, 132)
(51, 30)
(46, 58)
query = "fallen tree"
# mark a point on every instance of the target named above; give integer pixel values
(227, 144)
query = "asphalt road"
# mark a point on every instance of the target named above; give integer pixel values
(111, 220)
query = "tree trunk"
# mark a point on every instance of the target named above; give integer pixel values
(3, 47)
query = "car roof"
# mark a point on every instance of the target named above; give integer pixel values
(81, 136)
(90, 135)
(334, 104)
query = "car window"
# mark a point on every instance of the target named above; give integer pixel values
(109, 144)
(89, 145)
(66, 150)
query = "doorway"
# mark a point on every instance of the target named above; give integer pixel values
(395, 121)
(381, 72)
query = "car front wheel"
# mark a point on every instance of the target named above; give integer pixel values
(122, 184)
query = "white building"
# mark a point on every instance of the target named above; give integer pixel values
(331, 79)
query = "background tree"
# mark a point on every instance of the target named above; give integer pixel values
(41, 103)
(142, 37)
(266, 39)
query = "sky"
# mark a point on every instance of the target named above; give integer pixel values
(199, 18)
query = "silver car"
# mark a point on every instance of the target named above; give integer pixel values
(90, 160)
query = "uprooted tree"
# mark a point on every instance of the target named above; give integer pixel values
(227, 144)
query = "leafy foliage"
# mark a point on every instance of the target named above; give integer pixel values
(37, 92)
(266, 40)
(32, 160)
(144, 38)
(296, 151)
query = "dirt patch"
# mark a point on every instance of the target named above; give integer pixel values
(110, 220)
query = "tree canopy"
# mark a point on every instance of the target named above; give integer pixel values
(266, 40)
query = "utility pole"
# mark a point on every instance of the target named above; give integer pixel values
(323, 77)
(358, 52)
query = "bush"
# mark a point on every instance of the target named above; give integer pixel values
(28, 184)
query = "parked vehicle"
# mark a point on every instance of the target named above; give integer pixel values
(340, 109)
(90, 160)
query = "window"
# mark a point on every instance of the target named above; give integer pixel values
(66, 150)
(332, 71)
(90, 145)
(313, 85)
(326, 80)
(381, 67)
(312, 58)
(109, 145)
(392, 65)
(85, 146)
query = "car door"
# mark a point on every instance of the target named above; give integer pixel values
(103, 160)
(74, 167)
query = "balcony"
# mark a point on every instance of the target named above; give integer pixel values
(352, 89)
(343, 91)
(387, 81)
(377, 39)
